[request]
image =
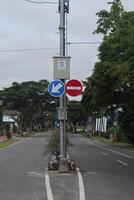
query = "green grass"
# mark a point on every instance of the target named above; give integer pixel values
(101, 139)
(27, 134)
(131, 148)
(7, 143)
(115, 144)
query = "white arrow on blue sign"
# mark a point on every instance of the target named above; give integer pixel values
(56, 88)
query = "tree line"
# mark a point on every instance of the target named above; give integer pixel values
(110, 88)
(29, 104)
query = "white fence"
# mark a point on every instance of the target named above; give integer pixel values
(101, 124)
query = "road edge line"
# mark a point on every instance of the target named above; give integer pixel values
(17, 142)
(81, 185)
(48, 187)
(123, 163)
(113, 151)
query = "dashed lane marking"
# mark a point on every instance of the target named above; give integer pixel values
(90, 143)
(123, 163)
(104, 153)
(114, 151)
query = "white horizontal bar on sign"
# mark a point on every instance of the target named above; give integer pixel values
(73, 88)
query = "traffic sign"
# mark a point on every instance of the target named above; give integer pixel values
(56, 88)
(73, 87)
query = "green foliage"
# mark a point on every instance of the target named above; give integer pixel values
(88, 101)
(127, 124)
(111, 86)
(115, 131)
(75, 113)
(31, 101)
(112, 78)
(15, 129)
(7, 142)
(54, 143)
(109, 21)
(8, 131)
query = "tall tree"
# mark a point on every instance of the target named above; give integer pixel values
(112, 81)
(109, 21)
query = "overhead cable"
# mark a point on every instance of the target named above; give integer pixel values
(31, 49)
(41, 2)
(69, 43)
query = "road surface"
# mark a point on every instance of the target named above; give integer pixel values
(103, 173)
(22, 170)
(108, 173)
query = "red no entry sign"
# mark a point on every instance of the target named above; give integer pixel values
(73, 87)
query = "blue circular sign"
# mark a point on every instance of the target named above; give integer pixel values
(56, 88)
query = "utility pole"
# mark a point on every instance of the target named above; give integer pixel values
(63, 8)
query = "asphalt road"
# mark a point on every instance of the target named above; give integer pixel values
(108, 173)
(22, 170)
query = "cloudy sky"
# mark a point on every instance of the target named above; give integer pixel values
(25, 25)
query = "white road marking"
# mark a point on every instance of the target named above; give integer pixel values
(81, 186)
(103, 147)
(48, 187)
(104, 153)
(85, 140)
(90, 143)
(123, 163)
(17, 142)
(114, 151)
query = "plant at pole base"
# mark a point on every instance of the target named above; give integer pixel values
(54, 142)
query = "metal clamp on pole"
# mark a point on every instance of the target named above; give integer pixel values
(66, 6)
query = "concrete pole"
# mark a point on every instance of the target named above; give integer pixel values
(62, 53)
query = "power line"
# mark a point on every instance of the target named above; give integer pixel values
(31, 49)
(41, 2)
(69, 43)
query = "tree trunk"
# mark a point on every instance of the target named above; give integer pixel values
(8, 131)
(74, 127)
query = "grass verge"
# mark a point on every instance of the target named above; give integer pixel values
(103, 140)
(7, 142)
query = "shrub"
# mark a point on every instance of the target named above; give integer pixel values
(54, 143)
(115, 131)
(7, 129)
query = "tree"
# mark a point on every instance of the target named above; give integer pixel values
(112, 83)
(31, 100)
(109, 21)
(113, 75)
(88, 101)
(75, 113)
